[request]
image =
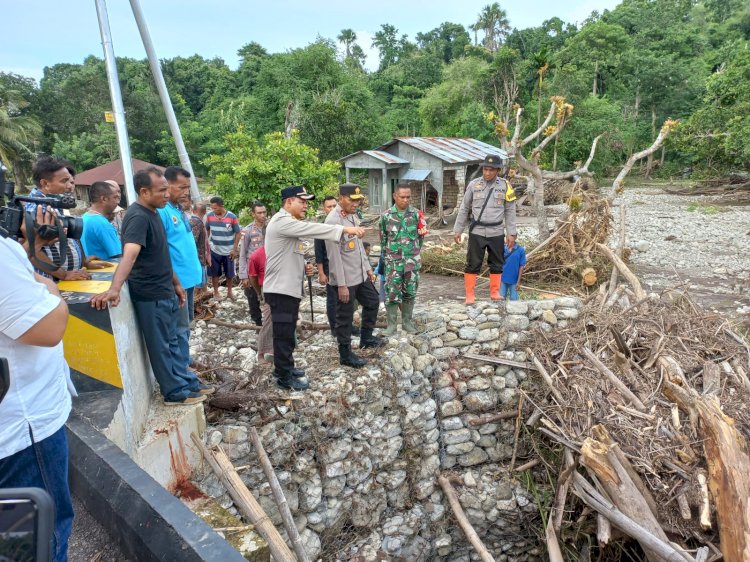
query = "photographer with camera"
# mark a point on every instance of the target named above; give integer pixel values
(33, 444)
(64, 261)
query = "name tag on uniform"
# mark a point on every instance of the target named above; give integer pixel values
(350, 245)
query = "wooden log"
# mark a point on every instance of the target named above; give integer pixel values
(711, 379)
(553, 547)
(499, 361)
(684, 507)
(233, 325)
(491, 418)
(624, 271)
(588, 277)
(463, 521)
(661, 548)
(601, 434)
(728, 457)
(546, 376)
(616, 382)
(619, 486)
(278, 494)
(527, 465)
(244, 500)
(620, 249)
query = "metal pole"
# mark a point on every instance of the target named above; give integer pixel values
(161, 86)
(116, 95)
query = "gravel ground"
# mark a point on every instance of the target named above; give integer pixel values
(696, 241)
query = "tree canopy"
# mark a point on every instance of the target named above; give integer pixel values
(626, 71)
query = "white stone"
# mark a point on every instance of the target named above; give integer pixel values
(451, 408)
(456, 437)
(549, 317)
(516, 307)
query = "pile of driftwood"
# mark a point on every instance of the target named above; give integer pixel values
(571, 253)
(645, 398)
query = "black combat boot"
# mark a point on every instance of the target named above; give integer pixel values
(349, 359)
(288, 381)
(367, 340)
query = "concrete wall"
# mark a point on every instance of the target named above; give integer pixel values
(421, 161)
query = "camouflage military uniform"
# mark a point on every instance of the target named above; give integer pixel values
(400, 244)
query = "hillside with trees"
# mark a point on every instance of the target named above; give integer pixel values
(624, 72)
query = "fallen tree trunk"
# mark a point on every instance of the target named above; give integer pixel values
(640, 294)
(624, 493)
(726, 452)
(663, 549)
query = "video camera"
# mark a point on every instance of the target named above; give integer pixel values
(11, 216)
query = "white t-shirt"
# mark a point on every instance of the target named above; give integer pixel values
(38, 397)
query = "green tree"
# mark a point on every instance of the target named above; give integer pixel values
(250, 170)
(595, 47)
(447, 42)
(89, 150)
(19, 130)
(353, 53)
(493, 23)
(717, 133)
(391, 46)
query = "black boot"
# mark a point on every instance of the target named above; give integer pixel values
(288, 381)
(367, 340)
(349, 359)
(297, 373)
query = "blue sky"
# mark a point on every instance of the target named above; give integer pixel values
(39, 33)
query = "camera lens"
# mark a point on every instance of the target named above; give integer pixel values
(74, 226)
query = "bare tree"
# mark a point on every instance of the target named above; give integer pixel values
(561, 111)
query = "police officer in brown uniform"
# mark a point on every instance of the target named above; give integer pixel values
(351, 274)
(492, 204)
(285, 274)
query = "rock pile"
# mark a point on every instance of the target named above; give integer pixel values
(358, 455)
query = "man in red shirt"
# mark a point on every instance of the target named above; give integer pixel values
(256, 271)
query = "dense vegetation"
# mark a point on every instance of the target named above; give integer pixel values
(624, 70)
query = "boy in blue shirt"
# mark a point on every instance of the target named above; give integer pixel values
(515, 260)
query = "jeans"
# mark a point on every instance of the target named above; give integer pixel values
(190, 304)
(159, 321)
(45, 465)
(508, 291)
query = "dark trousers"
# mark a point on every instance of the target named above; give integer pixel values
(159, 321)
(284, 314)
(254, 304)
(44, 465)
(332, 299)
(367, 295)
(495, 248)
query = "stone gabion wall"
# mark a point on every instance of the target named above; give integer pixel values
(359, 456)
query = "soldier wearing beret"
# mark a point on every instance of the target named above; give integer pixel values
(491, 202)
(351, 274)
(285, 274)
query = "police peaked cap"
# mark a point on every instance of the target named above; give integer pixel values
(494, 161)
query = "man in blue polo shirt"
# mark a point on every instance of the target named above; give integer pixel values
(100, 237)
(182, 250)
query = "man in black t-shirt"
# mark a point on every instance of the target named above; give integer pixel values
(154, 289)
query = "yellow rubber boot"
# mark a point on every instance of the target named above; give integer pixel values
(495, 279)
(470, 281)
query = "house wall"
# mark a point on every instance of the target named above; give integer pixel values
(421, 161)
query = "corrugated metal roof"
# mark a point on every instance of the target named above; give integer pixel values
(384, 157)
(449, 149)
(416, 175)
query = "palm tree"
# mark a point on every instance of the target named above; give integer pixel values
(493, 21)
(348, 38)
(542, 60)
(18, 132)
